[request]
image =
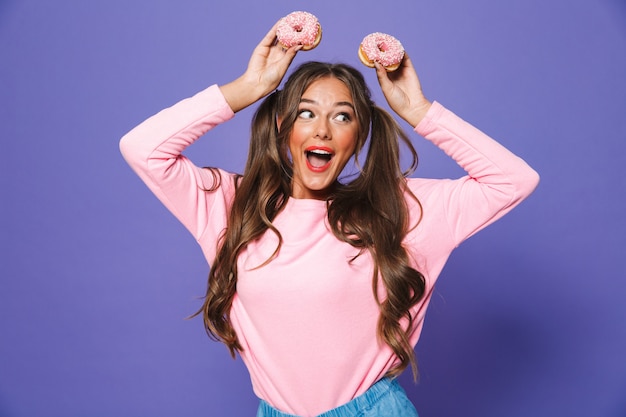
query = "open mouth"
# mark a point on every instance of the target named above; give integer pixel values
(318, 159)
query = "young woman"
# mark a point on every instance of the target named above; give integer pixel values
(321, 283)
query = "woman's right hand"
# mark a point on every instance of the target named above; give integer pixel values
(267, 67)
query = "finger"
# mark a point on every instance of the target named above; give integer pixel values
(292, 52)
(382, 75)
(288, 57)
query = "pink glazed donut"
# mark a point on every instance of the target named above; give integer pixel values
(299, 28)
(383, 48)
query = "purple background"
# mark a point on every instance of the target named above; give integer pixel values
(97, 277)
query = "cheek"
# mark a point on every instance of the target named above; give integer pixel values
(298, 136)
(349, 143)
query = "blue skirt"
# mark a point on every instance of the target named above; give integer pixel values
(386, 398)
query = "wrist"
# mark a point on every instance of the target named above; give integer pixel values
(417, 113)
(241, 93)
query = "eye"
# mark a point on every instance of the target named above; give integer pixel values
(343, 117)
(305, 114)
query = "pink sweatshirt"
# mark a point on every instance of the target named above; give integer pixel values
(307, 320)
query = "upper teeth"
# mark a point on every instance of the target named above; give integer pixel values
(320, 152)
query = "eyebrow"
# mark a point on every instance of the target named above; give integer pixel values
(337, 104)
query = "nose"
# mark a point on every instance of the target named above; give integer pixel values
(322, 129)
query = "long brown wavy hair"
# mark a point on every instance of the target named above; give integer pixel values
(368, 212)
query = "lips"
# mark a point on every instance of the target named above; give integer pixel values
(318, 158)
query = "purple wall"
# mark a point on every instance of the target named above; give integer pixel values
(97, 277)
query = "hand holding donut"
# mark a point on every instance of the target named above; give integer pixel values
(403, 91)
(271, 58)
(266, 68)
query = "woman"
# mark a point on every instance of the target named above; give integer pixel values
(321, 283)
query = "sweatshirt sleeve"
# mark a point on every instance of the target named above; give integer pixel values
(496, 180)
(154, 149)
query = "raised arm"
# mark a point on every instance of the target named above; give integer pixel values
(154, 148)
(497, 179)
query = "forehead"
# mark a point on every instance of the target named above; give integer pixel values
(328, 89)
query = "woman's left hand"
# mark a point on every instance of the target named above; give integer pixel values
(403, 91)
